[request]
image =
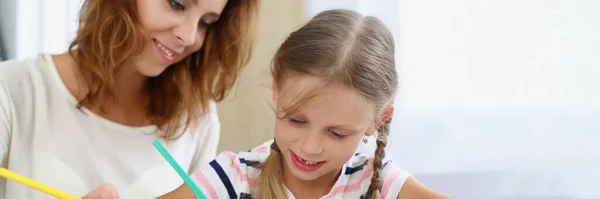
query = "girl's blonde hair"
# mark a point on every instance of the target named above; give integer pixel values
(109, 34)
(339, 46)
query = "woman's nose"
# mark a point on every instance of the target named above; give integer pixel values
(186, 33)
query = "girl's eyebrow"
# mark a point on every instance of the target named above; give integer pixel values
(349, 128)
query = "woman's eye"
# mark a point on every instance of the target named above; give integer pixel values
(176, 5)
(204, 23)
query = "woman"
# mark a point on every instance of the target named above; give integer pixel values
(137, 71)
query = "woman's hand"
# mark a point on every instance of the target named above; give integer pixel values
(105, 191)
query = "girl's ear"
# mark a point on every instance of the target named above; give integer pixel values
(275, 92)
(385, 116)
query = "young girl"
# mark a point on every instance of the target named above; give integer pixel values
(334, 84)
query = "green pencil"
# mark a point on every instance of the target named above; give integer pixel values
(163, 151)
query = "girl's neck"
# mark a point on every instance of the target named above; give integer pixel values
(310, 189)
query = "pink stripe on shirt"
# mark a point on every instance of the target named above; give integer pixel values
(354, 186)
(387, 183)
(243, 177)
(262, 149)
(207, 186)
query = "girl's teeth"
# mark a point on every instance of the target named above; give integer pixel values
(306, 162)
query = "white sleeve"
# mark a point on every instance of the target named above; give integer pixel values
(5, 124)
(209, 140)
(6, 114)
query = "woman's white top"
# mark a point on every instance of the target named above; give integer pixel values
(45, 137)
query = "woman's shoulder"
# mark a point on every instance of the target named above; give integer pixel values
(19, 75)
(208, 124)
(210, 115)
(17, 69)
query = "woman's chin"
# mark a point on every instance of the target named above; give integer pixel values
(152, 71)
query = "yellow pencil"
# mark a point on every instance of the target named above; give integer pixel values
(36, 185)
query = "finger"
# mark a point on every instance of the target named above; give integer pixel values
(105, 191)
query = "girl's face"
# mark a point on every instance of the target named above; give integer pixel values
(322, 135)
(174, 29)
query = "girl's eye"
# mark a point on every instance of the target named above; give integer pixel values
(336, 134)
(176, 5)
(295, 121)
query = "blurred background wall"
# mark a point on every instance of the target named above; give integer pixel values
(247, 117)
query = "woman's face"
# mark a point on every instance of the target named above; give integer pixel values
(174, 30)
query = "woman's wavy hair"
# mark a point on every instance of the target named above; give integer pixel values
(109, 34)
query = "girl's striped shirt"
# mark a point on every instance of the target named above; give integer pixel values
(233, 175)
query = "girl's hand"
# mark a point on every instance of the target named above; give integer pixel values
(105, 191)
